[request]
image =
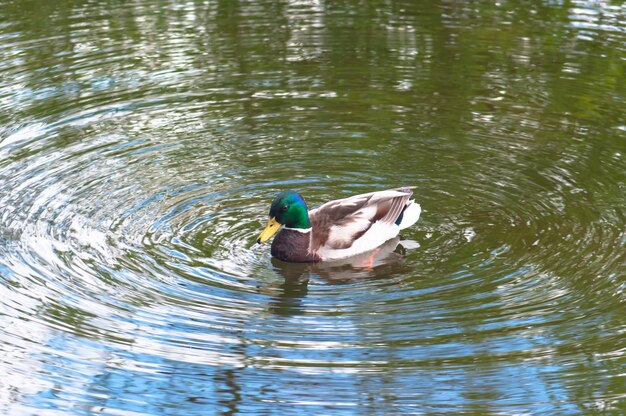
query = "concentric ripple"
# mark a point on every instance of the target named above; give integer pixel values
(140, 146)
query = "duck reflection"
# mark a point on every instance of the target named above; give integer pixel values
(382, 263)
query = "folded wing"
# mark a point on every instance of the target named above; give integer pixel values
(338, 224)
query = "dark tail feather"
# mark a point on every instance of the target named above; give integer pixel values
(399, 220)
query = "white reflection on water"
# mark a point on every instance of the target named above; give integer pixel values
(140, 147)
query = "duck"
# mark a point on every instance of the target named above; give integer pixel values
(337, 229)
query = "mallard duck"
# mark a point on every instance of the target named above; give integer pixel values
(337, 229)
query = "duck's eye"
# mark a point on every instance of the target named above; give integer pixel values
(285, 208)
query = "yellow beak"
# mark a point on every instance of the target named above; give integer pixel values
(270, 229)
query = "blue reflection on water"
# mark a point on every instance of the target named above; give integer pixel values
(145, 383)
(204, 389)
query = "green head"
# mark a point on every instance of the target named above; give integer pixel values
(288, 209)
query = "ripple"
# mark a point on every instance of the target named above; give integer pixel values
(140, 148)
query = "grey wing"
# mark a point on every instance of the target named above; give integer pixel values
(337, 224)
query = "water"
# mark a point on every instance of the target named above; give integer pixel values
(142, 142)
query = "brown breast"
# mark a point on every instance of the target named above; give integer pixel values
(293, 246)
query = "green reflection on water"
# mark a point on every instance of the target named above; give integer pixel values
(509, 118)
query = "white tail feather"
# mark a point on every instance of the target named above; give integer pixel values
(411, 214)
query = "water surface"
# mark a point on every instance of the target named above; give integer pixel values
(141, 143)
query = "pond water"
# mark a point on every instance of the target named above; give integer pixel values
(142, 141)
